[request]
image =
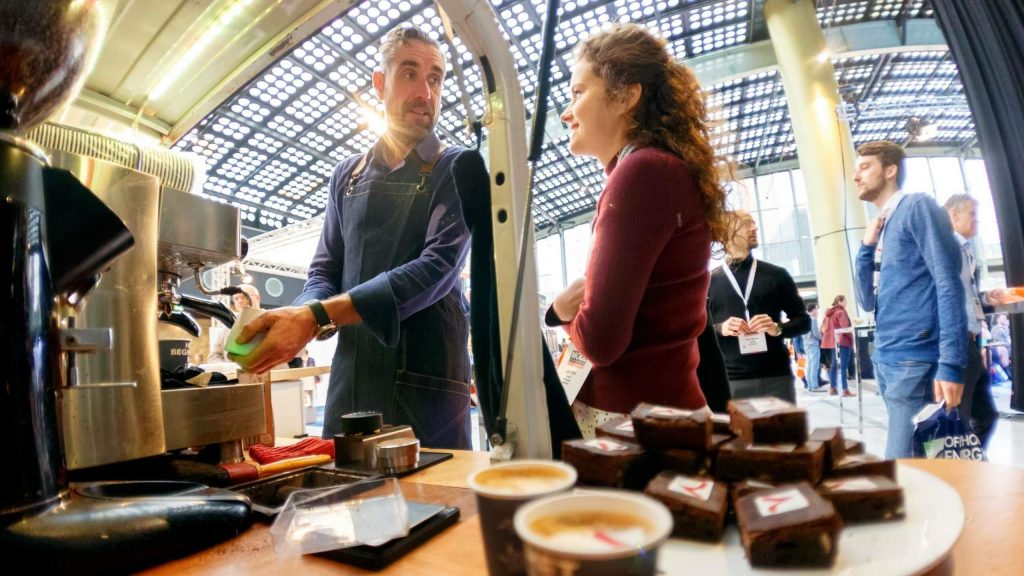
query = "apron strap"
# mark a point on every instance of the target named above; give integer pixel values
(426, 168)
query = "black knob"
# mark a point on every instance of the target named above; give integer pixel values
(362, 423)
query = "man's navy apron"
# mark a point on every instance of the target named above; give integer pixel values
(423, 381)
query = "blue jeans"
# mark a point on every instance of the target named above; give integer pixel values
(813, 370)
(840, 364)
(906, 387)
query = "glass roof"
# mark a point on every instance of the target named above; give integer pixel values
(271, 147)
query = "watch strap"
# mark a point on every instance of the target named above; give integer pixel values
(319, 313)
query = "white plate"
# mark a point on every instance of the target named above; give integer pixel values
(935, 517)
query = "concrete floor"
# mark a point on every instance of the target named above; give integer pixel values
(1006, 446)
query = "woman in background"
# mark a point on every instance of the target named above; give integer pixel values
(836, 317)
(637, 313)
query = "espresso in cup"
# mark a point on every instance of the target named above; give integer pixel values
(524, 479)
(593, 533)
(500, 491)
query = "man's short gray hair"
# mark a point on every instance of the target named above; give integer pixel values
(401, 35)
(959, 202)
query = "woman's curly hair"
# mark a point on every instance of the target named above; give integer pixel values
(670, 113)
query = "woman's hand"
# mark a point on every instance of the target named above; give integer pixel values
(567, 304)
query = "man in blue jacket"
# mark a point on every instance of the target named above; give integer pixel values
(908, 273)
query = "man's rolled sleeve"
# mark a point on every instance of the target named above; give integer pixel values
(390, 297)
(375, 302)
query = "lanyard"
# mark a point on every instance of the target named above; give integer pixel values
(736, 286)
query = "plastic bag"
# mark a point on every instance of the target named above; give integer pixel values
(941, 434)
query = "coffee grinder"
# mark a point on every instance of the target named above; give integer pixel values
(58, 238)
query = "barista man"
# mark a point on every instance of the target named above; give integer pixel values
(385, 275)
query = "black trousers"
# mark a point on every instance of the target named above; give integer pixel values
(977, 404)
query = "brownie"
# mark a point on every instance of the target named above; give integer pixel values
(768, 421)
(698, 504)
(665, 427)
(682, 461)
(864, 465)
(717, 441)
(864, 498)
(776, 463)
(619, 429)
(608, 462)
(743, 488)
(835, 445)
(720, 423)
(791, 525)
(854, 447)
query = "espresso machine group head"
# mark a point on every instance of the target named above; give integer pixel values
(57, 239)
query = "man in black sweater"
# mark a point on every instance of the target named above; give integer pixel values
(748, 297)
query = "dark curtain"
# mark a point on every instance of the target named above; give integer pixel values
(473, 184)
(986, 40)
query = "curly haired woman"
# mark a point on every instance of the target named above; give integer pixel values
(637, 313)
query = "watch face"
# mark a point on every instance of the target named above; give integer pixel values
(326, 332)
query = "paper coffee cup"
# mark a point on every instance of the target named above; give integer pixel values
(593, 533)
(231, 345)
(500, 490)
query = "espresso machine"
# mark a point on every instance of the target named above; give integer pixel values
(58, 239)
(115, 389)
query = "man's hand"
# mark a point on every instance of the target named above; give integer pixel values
(763, 323)
(871, 232)
(734, 327)
(567, 304)
(996, 297)
(288, 330)
(951, 392)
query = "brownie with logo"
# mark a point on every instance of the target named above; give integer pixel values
(790, 526)
(864, 465)
(835, 444)
(608, 462)
(619, 429)
(774, 463)
(743, 488)
(665, 427)
(864, 498)
(697, 503)
(768, 420)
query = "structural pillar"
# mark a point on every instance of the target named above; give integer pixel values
(823, 144)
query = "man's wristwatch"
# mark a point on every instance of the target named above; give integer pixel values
(325, 326)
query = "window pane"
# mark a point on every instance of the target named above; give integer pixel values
(946, 177)
(977, 185)
(799, 190)
(549, 266)
(577, 248)
(918, 179)
(775, 190)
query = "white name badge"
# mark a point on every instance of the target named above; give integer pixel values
(753, 343)
(573, 369)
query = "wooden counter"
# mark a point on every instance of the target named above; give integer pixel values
(992, 541)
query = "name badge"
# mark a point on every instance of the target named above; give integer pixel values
(753, 343)
(979, 313)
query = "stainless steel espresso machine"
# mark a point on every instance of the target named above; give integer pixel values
(114, 380)
(58, 237)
